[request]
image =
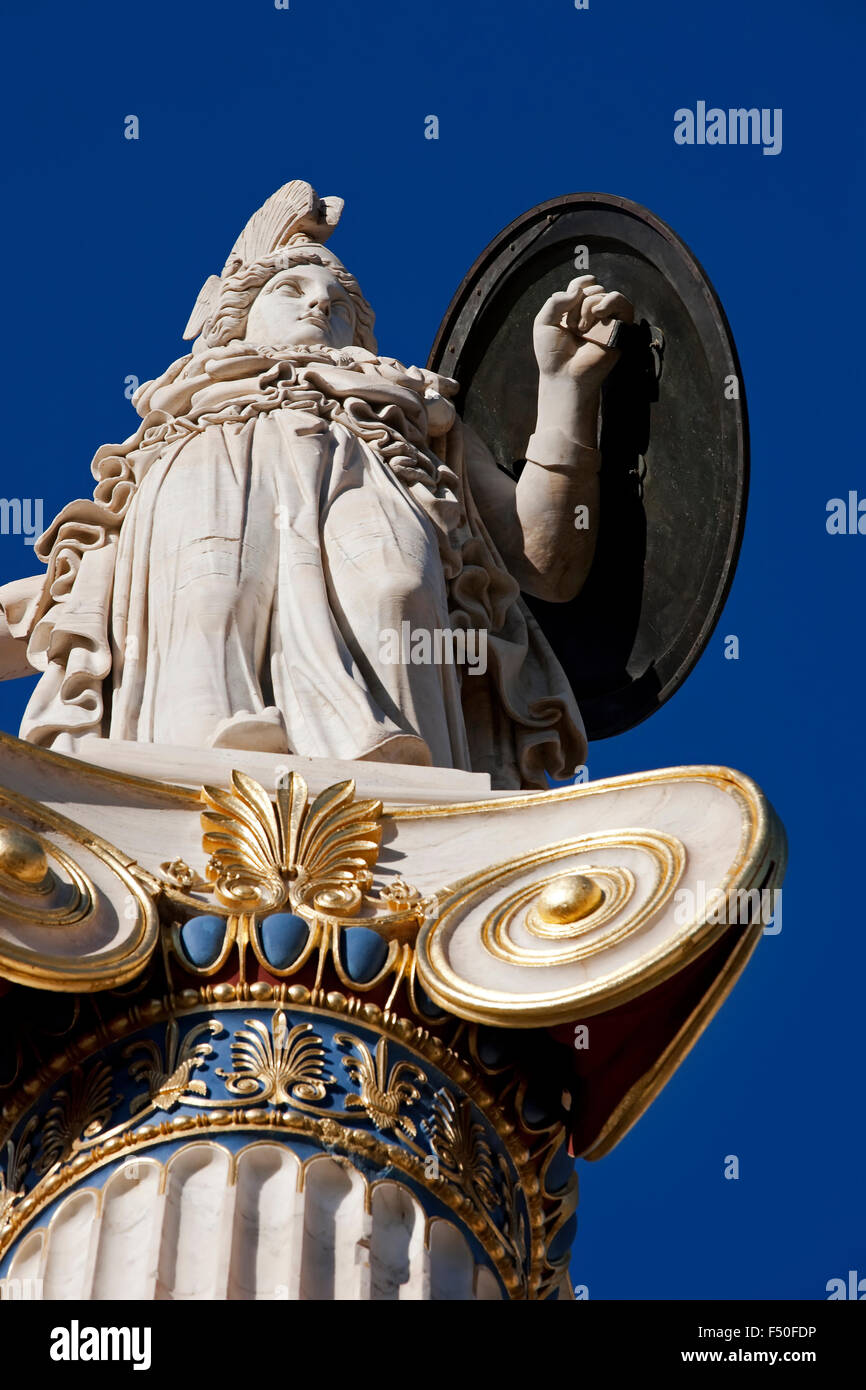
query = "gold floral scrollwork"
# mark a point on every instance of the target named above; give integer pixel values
(284, 1066)
(459, 1142)
(398, 893)
(263, 854)
(168, 1079)
(383, 1093)
(18, 1156)
(468, 1161)
(242, 836)
(515, 1222)
(178, 874)
(79, 1112)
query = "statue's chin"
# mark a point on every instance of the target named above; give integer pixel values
(306, 337)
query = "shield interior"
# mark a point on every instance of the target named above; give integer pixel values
(674, 441)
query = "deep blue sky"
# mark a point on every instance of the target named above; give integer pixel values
(107, 241)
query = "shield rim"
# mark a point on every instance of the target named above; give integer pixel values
(547, 214)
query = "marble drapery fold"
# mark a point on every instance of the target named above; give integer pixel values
(243, 553)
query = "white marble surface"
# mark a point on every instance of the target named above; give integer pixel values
(193, 767)
(205, 1226)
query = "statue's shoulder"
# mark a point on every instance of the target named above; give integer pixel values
(143, 399)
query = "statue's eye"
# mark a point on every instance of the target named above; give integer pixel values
(289, 287)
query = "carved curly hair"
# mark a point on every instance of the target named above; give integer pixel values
(238, 290)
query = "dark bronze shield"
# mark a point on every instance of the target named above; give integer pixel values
(674, 440)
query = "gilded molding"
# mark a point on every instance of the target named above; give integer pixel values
(263, 854)
(762, 843)
(318, 859)
(115, 965)
(284, 1067)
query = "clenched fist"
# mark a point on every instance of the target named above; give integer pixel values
(561, 350)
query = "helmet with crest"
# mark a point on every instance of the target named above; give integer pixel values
(291, 228)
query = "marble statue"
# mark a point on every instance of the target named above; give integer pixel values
(329, 1002)
(291, 496)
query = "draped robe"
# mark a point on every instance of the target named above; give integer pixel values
(246, 551)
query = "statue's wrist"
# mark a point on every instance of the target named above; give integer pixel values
(564, 406)
(552, 447)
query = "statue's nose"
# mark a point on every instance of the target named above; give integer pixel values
(321, 302)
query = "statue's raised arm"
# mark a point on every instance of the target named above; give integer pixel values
(533, 522)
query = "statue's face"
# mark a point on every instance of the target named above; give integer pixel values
(303, 305)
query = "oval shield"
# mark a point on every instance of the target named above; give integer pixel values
(674, 440)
